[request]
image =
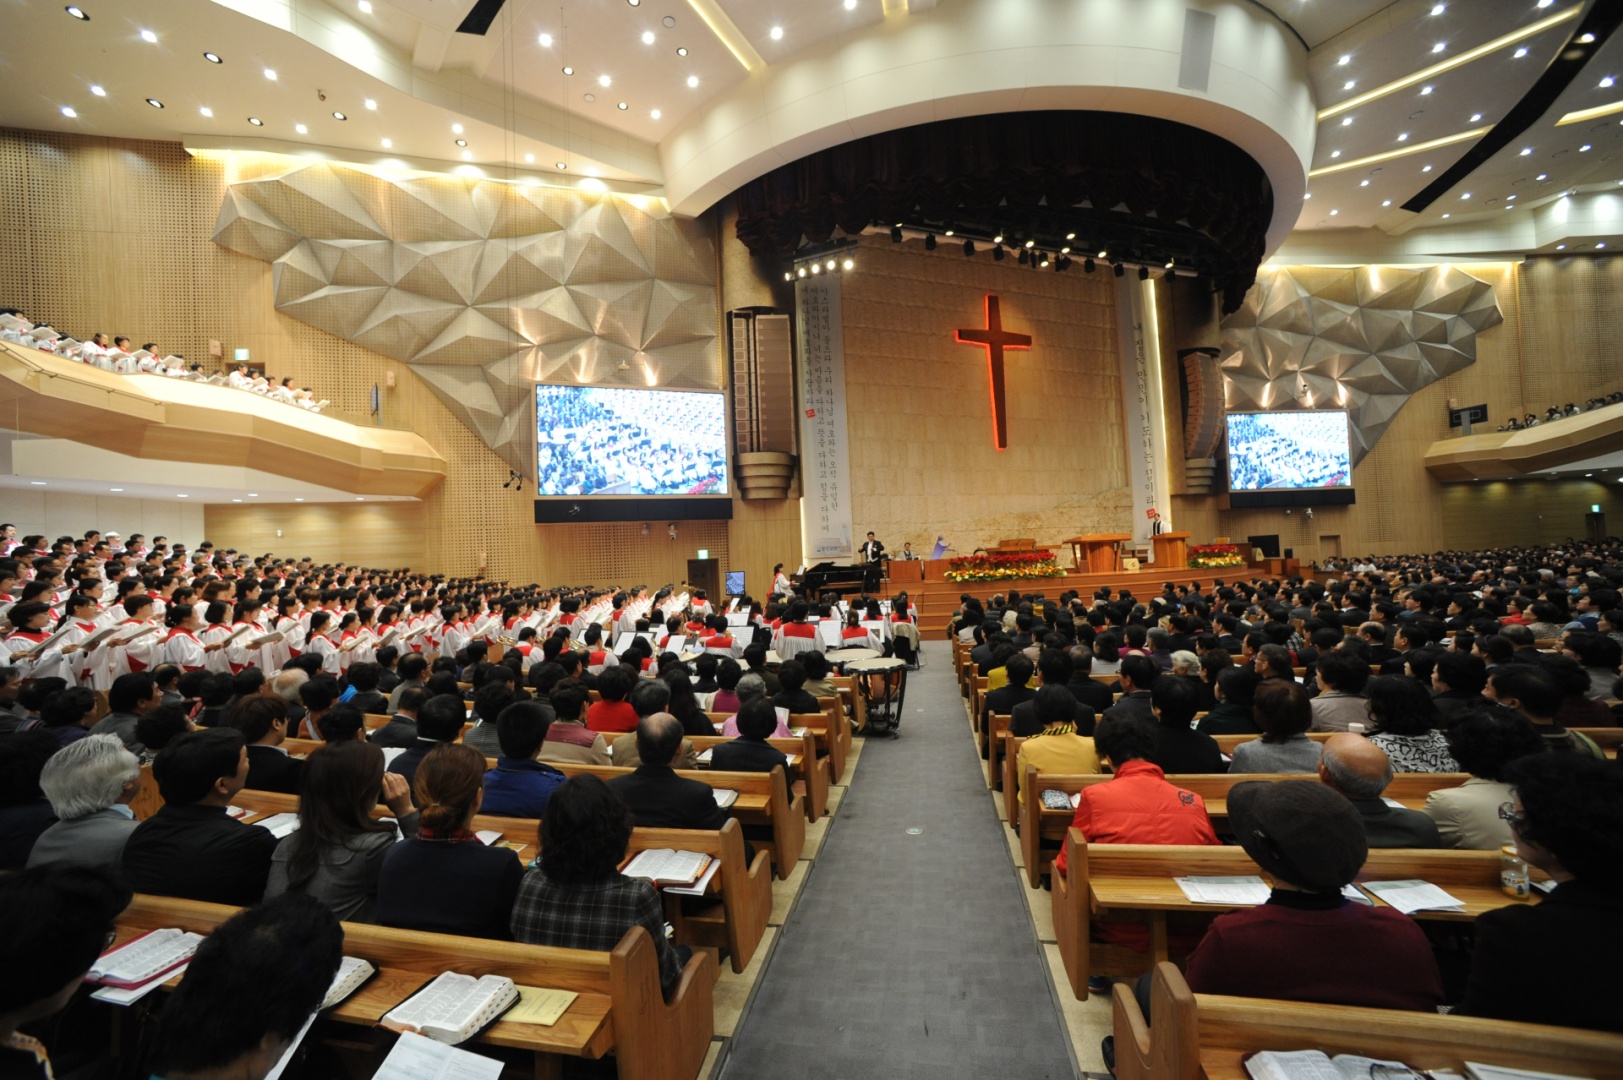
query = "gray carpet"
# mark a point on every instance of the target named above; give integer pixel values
(908, 956)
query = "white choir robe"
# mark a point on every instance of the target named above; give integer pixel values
(80, 661)
(137, 656)
(213, 635)
(486, 628)
(454, 639)
(322, 646)
(292, 643)
(47, 665)
(184, 650)
(239, 656)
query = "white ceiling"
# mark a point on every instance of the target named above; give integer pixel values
(521, 116)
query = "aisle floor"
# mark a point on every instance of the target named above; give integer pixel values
(910, 952)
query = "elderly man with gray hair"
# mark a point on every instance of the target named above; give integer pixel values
(1360, 770)
(89, 783)
(650, 697)
(751, 687)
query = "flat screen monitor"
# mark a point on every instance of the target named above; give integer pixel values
(735, 583)
(613, 441)
(1290, 458)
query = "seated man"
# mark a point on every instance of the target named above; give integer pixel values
(1056, 747)
(90, 784)
(793, 696)
(648, 697)
(263, 723)
(750, 752)
(248, 991)
(1568, 820)
(439, 721)
(190, 848)
(1014, 692)
(520, 785)
(1341, 676)
(1179, 747)
(1360, 771)
(1236, 691)
(401, 730)
(131, 697)
(1138, 676)
(657, 796)
(1309, 943)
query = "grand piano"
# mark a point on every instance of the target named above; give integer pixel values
(825, 578)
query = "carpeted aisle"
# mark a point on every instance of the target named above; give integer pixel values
(908, 956)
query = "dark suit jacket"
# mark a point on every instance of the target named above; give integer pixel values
(400, 731)
(1003, 700)
(370, 701)
(271, 769)
(747, 755)
(1135, 704)
(662, 800)
(198, 853)
(1387, 826)
(1228, 719)
(406, 764)
(1090, 692)
(1023, 721)
(1186, 751)
(1452, 702)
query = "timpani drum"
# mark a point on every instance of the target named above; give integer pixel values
(882, 682)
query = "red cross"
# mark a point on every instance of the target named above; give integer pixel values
(995, 339)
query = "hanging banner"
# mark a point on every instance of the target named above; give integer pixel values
(825, 473)
(1145, 417)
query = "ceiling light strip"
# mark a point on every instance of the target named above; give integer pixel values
(728, 33)
(1590, 114)
(1405, 151)
(1450, 64)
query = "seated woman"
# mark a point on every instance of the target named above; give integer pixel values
(793, 695)
(1235, 690)
(750, 751)
(1308, 942)
(337, 852)
(445, 879)
(751, 687)
(90, 784)
(1483, 742)
(577, 898)
(1567, 817)
(818, 682)
(1284, 713)
(1406, 722)
(725, 699)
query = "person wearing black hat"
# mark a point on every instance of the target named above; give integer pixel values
(1308, 942)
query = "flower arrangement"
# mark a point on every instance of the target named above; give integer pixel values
(1213, 556)
(1011, 567)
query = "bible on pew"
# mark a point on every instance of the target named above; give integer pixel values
(665, 866)
(1316, 1065)
(453, 1008)
(143, 959)
(352, 973)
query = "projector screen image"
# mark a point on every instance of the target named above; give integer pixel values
(1279, 451)
(606, 441)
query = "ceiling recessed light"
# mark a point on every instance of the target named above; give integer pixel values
(270, 73)
(182, 496)
(213, 58)
(681, 52)
(1586, 39)
(115, 489)
(604, 81)
(77, 12)
(456, 129)
(1425, 90)
(371, 104)
(461, 142)
(647, 37)
(236, 500)
(1333, 213)
(1526, 150)
(256, 121)
(1607, 81)
(69, 112)
(98, 91)
(1346, 121)
(467, 155)
(253, 494)
(1545, 3)
(206, 111)
(37, 483)
(1425, 168)
(850, 5)
(776, 33)
(1560, 247)
(298, 500)
(693, 81)
(1335, 153)
(1403, 136)
(301, 129)
(530, 158)
(149, 36)
(1363, 183)
(365, 6)
(388, 144)
(1519, 53)
(1448, 215)
(1345, 59)
(545, 40)
(622, 106)
(1585, 148)
(634, 3)
(336, 115)
(1601, 244)
(1386, 202)
(1438, 9)
(1349, 84)
(156, 104)
(562, 166)
(1306, 196)
(1541, 176)
(1467, 195)
(654, 114)
(1439, 47)
(1509, 197)
(569, 71)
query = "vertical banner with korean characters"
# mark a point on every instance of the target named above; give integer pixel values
(1144, 417)
(825, 473)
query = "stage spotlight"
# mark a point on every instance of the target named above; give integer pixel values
(1087, 266)
(1044, 264)
(849, 264)
(1031, 243)
(1063, 263)
(1143, 273)
(787, 276)
(1024, 258)
(1119, 268)
(969, 248)
(998, 239)
(929, 242)
(896, 234)
(997, 253)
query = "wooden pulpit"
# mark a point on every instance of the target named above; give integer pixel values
(1171, 550)
(1097, 553)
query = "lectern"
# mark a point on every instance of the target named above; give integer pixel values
(1171, 550)
(1097, 553)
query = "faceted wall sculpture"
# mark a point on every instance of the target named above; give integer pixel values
(1363, 339)
(486, 288)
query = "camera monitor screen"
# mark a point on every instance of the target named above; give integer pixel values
(1280, 451)
(594, 440)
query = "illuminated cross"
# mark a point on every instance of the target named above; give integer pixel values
(995, 339)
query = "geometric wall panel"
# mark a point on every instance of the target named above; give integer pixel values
(1363, 339)
(485, 288)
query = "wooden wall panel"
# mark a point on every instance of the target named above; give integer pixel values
(56, 513)
(378, 534)
(1496, 512)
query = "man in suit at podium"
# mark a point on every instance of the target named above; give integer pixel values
(871, 549)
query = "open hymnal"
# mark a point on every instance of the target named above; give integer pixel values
(1412, 895)
(1313, 1065)
(1244, 889)
(725, 797)
(279, 825)
(1478, 1071)
(352, 972)
(663, 866)
(264, 639)
(417, 1058)
(453, 1008)
(143, 959)
(137, 636)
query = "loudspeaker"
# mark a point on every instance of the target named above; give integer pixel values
(1290, 553)
(559, 511)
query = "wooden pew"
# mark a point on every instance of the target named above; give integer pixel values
(1138, 878)
(1227, 743)
(1037, 823)
(1199, 1036)
(620, 1008)
(855, 705)
(742, 894)
(829, 746)
(805, 773)
(997, 730)
(977, 701)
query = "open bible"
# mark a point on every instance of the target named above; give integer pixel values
(143, 959)
(453, 1008)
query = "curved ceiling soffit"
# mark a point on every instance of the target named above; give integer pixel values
(1365, 339)
(485, 288)
(1147, 190)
